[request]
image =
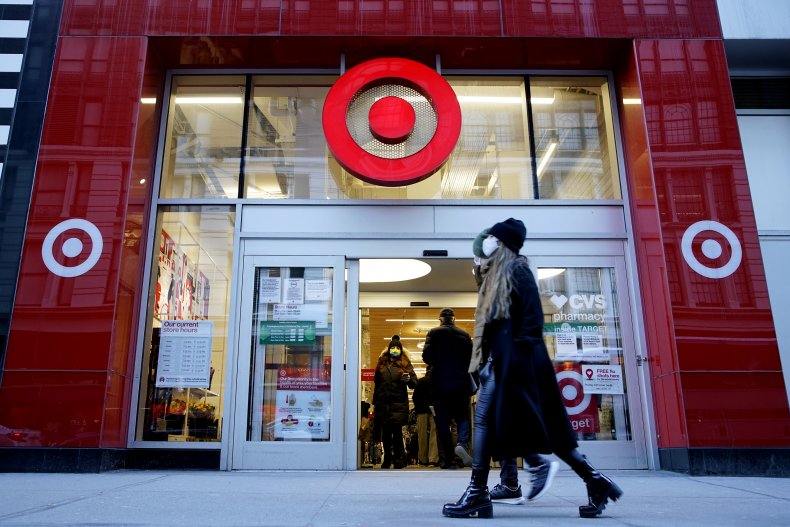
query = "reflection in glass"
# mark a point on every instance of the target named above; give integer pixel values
(182, 387)
(202, 152)
(291, 359)
(285, 153)
(584, 337)
(574, 138)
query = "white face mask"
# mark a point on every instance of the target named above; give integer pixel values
(490, 245)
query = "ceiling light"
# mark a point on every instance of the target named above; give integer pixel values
(549, 272)
(546, 156)
(209, 100)
(148, 100)
(489, 99)
(391, 270)
(632, 101)
(542, 100)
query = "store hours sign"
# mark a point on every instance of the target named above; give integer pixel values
(184, 354)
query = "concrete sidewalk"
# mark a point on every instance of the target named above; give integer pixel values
(404, 498)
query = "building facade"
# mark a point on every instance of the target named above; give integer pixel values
(215, 182)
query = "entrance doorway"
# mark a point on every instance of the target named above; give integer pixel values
(310, 331)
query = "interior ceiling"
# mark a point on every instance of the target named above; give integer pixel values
(447, 275)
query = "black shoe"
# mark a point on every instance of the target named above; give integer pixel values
(504, 494)
(540, 479)
(462, 453)
(385, 465)
(398, 465)
(448, 466)
(600, 490)
(475, 502)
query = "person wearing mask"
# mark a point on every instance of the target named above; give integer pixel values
(447, 352)
(519, 408)
(541, 470)
(427, 445)
(394, 374)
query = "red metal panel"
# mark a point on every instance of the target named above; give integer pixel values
(720, 318)
(612, 18)
(555, 18)
(66, 305)
(58, 409)
(662, 355)
(736, 409)
(326, 17)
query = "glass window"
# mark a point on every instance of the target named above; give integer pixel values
(291, 359)
(285, 154)
(184, 364)
(583, 334)
(202, 152)
(574, 138)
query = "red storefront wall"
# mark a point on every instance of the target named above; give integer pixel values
(713, 356)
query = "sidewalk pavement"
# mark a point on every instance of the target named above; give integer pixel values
(403, 498)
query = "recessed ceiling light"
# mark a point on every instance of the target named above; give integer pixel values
(391, 270)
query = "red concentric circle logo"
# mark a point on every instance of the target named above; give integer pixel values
(391, 122)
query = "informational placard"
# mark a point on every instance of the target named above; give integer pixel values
(303, 404)
(606, 379)
(566, 346)
(317, 290)
(184, 354)
(270, 291)
(293, 291)
(318, 313)
(367, 374)
(592, 348)
(294, 332)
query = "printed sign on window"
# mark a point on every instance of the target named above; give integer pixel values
(606, 379)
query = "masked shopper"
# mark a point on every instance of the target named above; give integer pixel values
(394, 374)
(519, 408)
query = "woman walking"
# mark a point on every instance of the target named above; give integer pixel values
(519, 408)
(394, 373)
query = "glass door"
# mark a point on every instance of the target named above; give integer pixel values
(588, 332)
(289, 394)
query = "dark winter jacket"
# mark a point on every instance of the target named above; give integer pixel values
(447, 351)
(390, 395)
(422, 395)
(529, 415)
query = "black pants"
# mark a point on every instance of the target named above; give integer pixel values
(392, 438)
(452, 406)
(484, 413)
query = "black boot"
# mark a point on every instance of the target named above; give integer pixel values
(599, 487)
(475, 501)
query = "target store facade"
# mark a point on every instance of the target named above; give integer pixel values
(218, 183)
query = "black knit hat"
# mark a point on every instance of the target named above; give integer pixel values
(395, 343)
(511, 233)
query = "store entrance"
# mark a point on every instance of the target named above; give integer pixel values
(310, 329)
(587, 330)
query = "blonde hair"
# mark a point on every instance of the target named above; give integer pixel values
(498, 284)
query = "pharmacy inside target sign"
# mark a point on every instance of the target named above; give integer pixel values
(391, 121)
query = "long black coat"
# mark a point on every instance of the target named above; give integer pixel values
(528, 415)
(448, 350)
(390, 395)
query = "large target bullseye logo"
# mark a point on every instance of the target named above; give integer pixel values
(72, 248)
(711, 249)
(391, 121)
(573, 396)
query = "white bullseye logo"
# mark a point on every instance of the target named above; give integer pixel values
(574, 398)
(711, 249)
(72, 247)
